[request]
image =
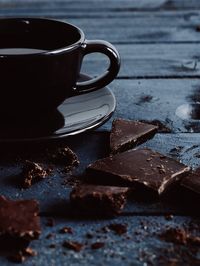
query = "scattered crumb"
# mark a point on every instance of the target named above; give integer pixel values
(52, 246)
(119, 229)
(64, 156)
(76, 246)
(180, 236)
(32, 172)
(89, 235)
(66, 230)
(49, 236)
(29, 252)
(169, 217)
(97, 245)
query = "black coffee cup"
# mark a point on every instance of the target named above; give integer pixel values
(40, 61)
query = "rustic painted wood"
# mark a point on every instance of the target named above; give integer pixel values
(141, 245)
(159, 46)
(157, 99)
(150, 60)
(140, 27)
(104, 5)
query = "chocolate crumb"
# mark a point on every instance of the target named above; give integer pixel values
(29, 252)
(66, 230)
(97, 245)
(89, 235)
(180, 236)
(119, 229)
(32, 172)
(73, 245)
(65, 156)
(49, 236)
(52, 246)
(175, 235)
(169, 217)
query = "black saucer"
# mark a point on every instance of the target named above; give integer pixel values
(75, 115)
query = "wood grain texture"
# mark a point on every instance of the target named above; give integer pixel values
(143, 28)
(149, 61)
(132, 248)
(104, 5)
(156, 99)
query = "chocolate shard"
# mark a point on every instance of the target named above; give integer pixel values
(192, 181)
(126, 134)
(19, 219)
(142, 168)
(99, 200)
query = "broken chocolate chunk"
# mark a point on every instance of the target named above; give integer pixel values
(142, 168)
(127, 134)
(19, 219)
(64, 156)
(32, 172)
(76, 246)
(192, 181)
(99, 200)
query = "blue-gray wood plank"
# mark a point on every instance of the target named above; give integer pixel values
(159, 46)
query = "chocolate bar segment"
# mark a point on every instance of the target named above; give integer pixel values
(99, 200)
(192, 181)
(19, 219)
(140, 168)
(126, 134)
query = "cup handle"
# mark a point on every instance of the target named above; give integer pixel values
(112, 71)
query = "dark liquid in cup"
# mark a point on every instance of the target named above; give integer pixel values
(17, 51)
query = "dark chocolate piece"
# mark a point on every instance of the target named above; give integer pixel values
(32, 172)
(19, 219)
(192, 181)
(99, 200)
(127, 134)
(143, 167)
(64, 156)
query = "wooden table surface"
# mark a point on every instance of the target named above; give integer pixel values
(159, 43)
